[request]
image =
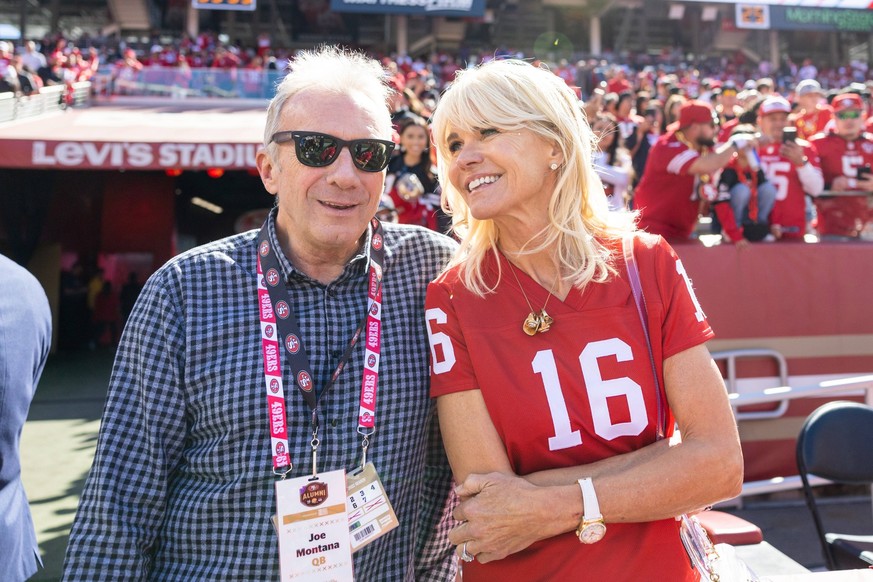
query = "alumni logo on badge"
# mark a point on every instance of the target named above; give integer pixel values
(313, 494)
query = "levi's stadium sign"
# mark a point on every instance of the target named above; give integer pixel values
(80, 155)
(459, 8)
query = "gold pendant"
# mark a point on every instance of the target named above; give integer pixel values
(546, 322)
(531, 324)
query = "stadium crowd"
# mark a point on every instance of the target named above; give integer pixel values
(769, 151)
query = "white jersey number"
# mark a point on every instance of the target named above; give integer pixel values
(777, 174)
(598, 389)
(439, 339)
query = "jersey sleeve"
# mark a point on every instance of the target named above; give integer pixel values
(812, 155)
(681, 162)
(684, 323)
(450, 367)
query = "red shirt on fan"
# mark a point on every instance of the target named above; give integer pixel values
(580, 393)
(813, 122)
(789, 211)
(845, 215)
(667, 195)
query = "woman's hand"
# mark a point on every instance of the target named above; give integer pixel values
(503, 514)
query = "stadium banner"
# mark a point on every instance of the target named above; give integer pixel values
(753, 16)
(766, 17)
(88, 155)
(847, 4)
(461, 8)
(248, 5)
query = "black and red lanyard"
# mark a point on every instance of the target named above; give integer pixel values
(279, 326)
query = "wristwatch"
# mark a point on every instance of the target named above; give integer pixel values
(592, 528)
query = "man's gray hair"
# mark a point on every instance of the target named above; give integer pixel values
(329, 69)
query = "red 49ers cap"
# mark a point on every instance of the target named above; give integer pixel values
(847, 101)
(695, 111)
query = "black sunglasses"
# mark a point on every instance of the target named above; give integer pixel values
(848, 114)
(318, 150)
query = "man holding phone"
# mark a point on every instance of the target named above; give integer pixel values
(846, 157)
(791, 165)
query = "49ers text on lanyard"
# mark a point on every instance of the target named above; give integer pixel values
(278, 324)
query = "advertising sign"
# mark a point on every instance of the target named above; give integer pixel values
(458, 8)
(224, 4)
(767, 17)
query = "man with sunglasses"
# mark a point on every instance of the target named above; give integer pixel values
(846, 156)
(240, 372)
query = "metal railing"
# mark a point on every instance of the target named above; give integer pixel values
(730, 358)
(49, 99)
(177, 83)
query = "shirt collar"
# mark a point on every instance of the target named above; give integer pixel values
(357, 265)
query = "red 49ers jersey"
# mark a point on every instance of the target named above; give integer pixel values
(581, 392)
(789, 211)
(813, 122)
(666, 195)
(842, 216)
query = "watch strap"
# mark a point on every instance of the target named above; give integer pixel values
(590, 506)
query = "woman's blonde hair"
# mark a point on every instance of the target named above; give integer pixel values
(511, 95)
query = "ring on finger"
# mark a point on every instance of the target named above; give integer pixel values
(465, 555)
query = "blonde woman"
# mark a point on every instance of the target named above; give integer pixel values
(545, 386)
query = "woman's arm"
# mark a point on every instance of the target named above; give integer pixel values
(505, 514)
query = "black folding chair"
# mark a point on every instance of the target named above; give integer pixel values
(836, 443)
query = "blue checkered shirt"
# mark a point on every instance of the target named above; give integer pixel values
(182, 483)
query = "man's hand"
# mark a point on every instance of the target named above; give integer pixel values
(503, 514)
(866, 183)
(847, 184)
(792, 152)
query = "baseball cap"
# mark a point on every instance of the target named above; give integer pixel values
(775, 104)
(808, 86)
(847, 101)
(695, 111)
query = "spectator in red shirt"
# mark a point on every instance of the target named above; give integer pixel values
(618, 83)
(792, 165)
(846, 157)
(813, 115)
(682, 163)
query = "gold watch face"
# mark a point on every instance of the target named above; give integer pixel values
(592, 532)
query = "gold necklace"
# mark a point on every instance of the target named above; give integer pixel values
(535, 322)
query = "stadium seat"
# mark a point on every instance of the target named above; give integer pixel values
(835, 443)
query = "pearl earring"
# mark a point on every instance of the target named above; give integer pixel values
(554, 166)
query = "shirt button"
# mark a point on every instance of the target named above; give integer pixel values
(331, 293)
